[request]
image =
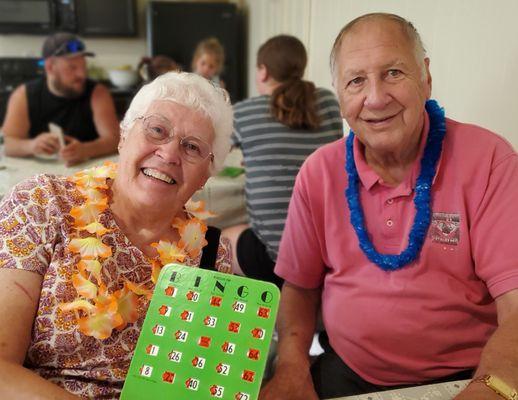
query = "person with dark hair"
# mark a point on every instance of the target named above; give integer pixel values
(403, 235)
(276, 131)
(66, 98)
(152, 67)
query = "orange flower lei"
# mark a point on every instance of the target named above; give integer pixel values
(97, 311)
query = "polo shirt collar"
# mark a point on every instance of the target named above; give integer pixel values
(369, 178)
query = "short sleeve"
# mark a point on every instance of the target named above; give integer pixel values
(25, 227)
(300, 260)
(224, 256)
(493, 229)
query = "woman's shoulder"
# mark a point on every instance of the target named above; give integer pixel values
(251, 104)
(44, 192)
(44, 184)
(32, 217)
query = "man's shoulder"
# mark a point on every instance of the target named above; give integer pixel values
(33, 85)
(473, 139)
(329, 152)
(92, 87)
(326, 159)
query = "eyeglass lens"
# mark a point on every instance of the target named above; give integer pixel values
(159, 131)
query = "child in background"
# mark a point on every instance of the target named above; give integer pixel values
(208, 60)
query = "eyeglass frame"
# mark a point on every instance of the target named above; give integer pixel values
(171, 136)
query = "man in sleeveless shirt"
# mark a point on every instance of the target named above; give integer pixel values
(67, 98)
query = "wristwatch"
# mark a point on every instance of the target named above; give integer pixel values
(498, 386)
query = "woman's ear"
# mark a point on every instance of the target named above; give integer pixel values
(121, 141)
(262, 73)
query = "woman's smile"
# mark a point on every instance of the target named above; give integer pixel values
(158, 175)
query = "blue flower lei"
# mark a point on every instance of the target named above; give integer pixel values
(422, 198)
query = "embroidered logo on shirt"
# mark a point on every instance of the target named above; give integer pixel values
(445, 228)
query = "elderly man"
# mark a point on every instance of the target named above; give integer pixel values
(83, 109)
(415, 267)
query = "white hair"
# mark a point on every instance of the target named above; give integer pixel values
(406, 26)
(195, 92)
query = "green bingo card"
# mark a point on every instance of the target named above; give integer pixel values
(206, 335)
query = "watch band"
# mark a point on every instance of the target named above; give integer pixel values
(498, 386)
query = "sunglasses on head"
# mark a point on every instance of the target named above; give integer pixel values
(70, 47)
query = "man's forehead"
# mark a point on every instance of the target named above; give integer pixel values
(381, 44)
(76, 59)
(373, 33)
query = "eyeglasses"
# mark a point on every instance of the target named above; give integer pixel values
(158, 130)
(72, 46)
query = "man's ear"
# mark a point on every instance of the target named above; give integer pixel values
(428, 78)
(49, 65)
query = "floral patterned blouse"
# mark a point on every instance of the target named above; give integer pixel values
(35, 228)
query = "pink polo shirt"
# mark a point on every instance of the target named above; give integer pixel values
(433, 317)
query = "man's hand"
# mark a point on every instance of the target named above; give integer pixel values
(477, 391)
(45, 143)
(290, 382)
(74, 152)
(296, 324)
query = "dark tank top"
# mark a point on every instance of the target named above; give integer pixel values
(73, 115)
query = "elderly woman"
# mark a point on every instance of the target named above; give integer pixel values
(79, 256)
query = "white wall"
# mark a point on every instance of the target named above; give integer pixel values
(472, 44)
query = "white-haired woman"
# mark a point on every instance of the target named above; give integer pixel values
(80, 255)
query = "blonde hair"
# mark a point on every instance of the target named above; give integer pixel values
(209, 46)
(195, 92)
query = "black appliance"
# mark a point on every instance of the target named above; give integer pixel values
(37, 16)
(175, 28)
(106, 17)
(85, 17)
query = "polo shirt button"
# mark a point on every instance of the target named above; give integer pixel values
(390, 223)
(390, 201)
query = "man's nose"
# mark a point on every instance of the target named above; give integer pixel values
(81, 73)
(377, 95)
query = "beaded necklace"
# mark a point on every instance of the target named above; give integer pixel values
(422, 197)
(98, 311)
